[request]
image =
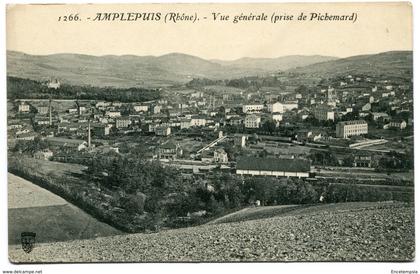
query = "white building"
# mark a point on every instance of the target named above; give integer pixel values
(198, 121)
(351, 128)
(252, 121)
(113, 114)
(55, 84)
(185, 123)
(23, 107)
(277, 117)
(162, 130)
(220, 156)
(276, 107)
(400, 124)
(252, 108)
(141, 108)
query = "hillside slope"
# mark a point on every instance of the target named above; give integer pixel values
(391, 64)
(145, 71)
(53, 219)
(377, 232)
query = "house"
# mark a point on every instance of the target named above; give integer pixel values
(101, 130)
(252, 121)
(289, 105)
(303, 135)
(112, 114)
(240, 141)
(43, 155)
(72, 110)
(252, 108)
(170, 151)
(276, 116)
(323, 113)
(174, 112)
(275, 107)
(141, 108)
(351, 128)
(185, 123)
(277, 167)
(220, 156)
(162, 130)
(379, 115)
(42, 120)
(157, 109)
(362, 159)
(236, 121)
(43, 109)
(54, 84)
(76, 144)
(23, 107)
(102, 104)
(27, 136)
(366, 107)
(122, 122)
(398, 124)
(198, 121)
(13, 125)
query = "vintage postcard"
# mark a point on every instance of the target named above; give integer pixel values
(210, 132)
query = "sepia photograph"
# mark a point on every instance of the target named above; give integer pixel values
(240, 132)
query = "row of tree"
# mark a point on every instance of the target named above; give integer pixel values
(18, 88)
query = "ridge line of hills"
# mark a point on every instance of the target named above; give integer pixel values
(179, 68)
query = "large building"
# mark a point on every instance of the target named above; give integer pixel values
(252, 108)
(351, 128)
(198, 121)
(276, 107)
(323, 113)
(122, 122)
(252, 121)
(277, 167)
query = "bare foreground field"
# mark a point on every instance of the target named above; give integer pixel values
(333, 232)
(34, 209)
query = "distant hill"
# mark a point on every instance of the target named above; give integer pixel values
(274, 64)
(145, 71)
(392, 64)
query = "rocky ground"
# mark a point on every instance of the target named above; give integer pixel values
(383, 232)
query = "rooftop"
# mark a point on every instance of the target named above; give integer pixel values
(273, 164)
(354, 122)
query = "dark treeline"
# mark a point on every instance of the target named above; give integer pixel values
(137, 194)
(19, 88)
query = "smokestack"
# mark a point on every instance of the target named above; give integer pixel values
(89, 134)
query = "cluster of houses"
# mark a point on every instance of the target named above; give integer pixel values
(363, 99)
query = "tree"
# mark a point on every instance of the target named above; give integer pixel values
(269, 126)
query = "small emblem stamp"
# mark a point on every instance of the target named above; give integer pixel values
(28, 241)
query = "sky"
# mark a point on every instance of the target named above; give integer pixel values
(35, 29)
